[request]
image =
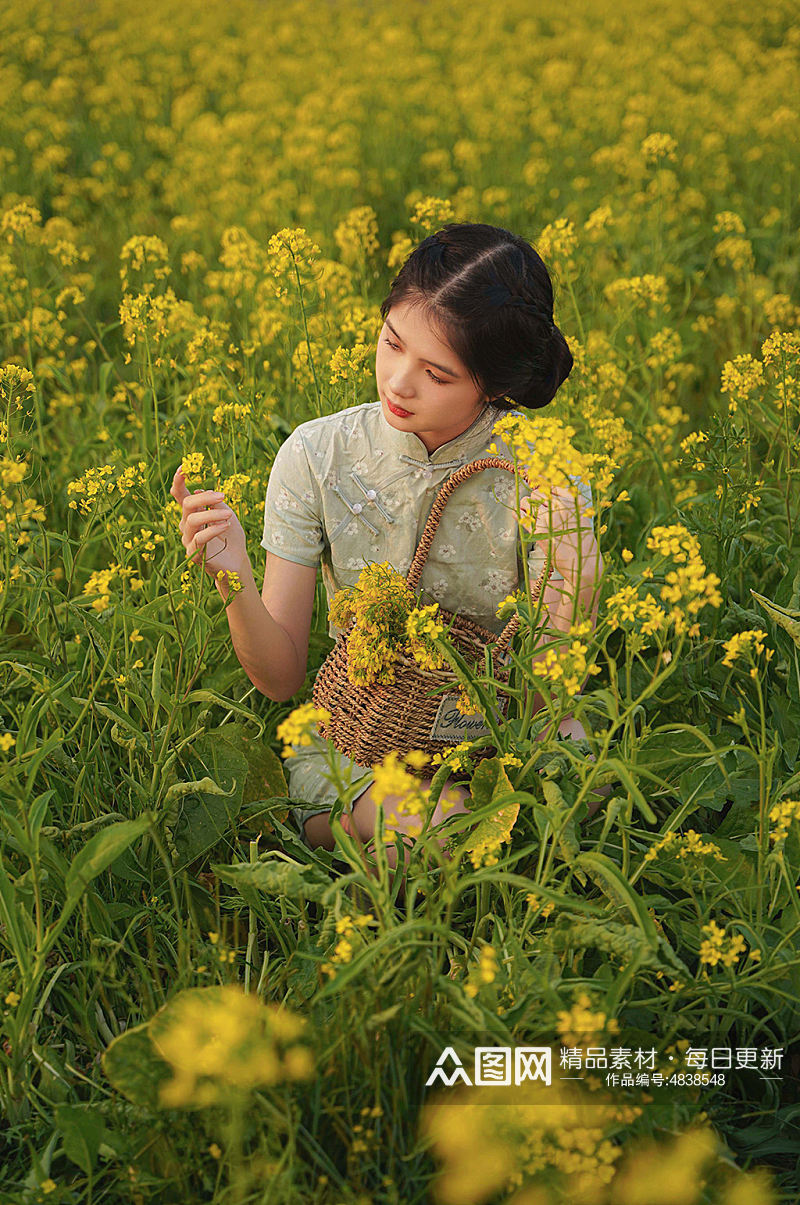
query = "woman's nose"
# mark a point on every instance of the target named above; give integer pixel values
(400, 385)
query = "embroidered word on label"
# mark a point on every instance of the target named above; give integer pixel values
(450, 724)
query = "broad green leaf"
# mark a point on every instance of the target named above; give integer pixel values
(277, 878)
(134, 1067)
(265, 774)
(209, 808)
(81, 1132)
(98, 854)
(490, 782)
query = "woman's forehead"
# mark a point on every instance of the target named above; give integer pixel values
(414, 319)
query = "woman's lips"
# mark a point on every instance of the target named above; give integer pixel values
(398, 410)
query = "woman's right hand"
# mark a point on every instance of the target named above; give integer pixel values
(208, 523)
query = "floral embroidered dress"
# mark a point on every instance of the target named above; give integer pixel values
(348, 489)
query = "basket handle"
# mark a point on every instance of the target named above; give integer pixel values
(426, 539)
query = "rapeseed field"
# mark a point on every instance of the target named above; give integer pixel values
(201, 209)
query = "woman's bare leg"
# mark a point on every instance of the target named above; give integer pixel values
(360, 822)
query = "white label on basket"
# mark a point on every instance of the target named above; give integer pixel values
(451, 725)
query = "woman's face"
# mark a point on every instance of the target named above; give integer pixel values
(416, 371)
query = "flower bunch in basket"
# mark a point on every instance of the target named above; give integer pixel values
(388, 626)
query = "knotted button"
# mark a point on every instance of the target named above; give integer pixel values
(371, 495)
(427, 471)
(357, 508)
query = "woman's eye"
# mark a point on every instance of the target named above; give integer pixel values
(438, 380)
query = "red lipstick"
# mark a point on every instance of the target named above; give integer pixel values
(398, 410)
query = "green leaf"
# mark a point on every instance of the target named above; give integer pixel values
(278, 878)
(207, 806)
(490, 782)
(787, 619)
(98, 853)
(133, 1066)
(619, 890)
(558, 807)
(265, 773)
(155, 682)
(82, 1132)
(110, 712)
(10, 906)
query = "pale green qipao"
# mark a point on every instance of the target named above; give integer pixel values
(348, 489)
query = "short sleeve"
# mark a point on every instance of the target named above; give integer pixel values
(292, 510)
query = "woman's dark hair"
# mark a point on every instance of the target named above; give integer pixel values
(491, 298)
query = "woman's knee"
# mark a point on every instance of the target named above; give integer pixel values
(453, 799)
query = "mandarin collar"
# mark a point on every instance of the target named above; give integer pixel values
(474, 439)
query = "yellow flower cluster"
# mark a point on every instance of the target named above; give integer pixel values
(728, 222)
(656, 147)
(648, 290)
(391, 778)
(655, 1173)
(220, 1040)
(557, 242)
(684, 845)
(485, 972)
(454, 755)
(93, 486)
(144, 253)
(579, 1026)
(348, 929)
(566, 665)
(421, 629)
(781, 351)
(689, 446)
(22, 221)
(543, 450)
(14, 382)
(687, 588)
(192, 464)
(357, 235)
(299, 726)
(736, 251)
(348, 363)
(529, 1130)
(749, 645)
(100, 581)
(535, 901)
(782, 815)
(292, 256)
(715, 949)
(741, 377)
(401, 248)
(430, 213)
(387, 625)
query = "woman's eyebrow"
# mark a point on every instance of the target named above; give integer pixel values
(441, 367)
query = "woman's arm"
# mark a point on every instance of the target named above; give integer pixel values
(576, 556)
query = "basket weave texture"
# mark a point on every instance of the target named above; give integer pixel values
(367, 722)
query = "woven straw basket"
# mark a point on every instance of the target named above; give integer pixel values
(416, 711)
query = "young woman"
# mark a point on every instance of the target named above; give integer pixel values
(468, 331)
